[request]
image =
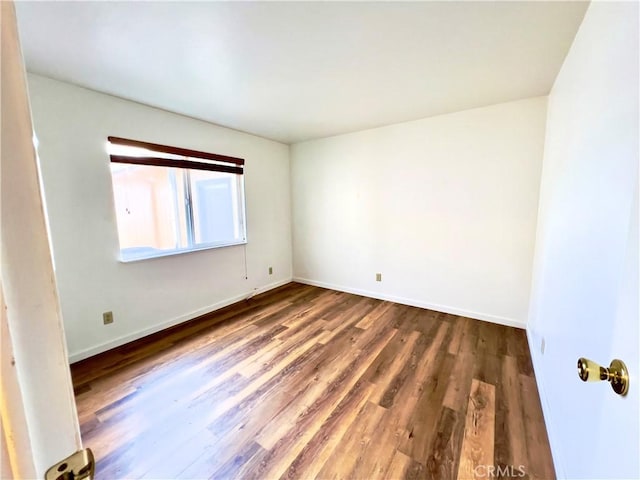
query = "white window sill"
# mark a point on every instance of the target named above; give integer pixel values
(152, 253)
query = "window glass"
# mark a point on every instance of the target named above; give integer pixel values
(164, 210)
(216, 212)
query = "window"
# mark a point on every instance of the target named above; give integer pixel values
(171, 200)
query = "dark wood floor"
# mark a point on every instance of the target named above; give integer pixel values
(303, 382)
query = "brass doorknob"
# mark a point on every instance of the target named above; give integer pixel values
(617, 374)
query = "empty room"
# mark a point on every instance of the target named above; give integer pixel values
(297, 240)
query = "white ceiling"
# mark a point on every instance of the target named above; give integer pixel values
(296, 71)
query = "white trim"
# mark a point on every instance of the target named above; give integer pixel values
(509, 322)
(122, 258)
(546, 411)
(103, 347)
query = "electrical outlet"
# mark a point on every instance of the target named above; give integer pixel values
(107, 318)
(378, 277)
(542, 345)
(270, 270)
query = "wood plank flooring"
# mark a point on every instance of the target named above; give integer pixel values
(303, 382)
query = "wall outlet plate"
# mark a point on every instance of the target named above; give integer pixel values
(107, 318)
(378, 277)
(270, 270)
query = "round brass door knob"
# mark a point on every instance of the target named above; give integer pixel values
(617, 374)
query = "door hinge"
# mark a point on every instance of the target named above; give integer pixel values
(77, 466)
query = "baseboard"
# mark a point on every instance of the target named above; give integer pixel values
(546, 411)
(103, 347)
(509, 322)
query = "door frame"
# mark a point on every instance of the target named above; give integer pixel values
(39, 419)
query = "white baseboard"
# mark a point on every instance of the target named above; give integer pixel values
(509, 322)
(546, 411)
(103, 347)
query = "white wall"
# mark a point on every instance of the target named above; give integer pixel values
(444, 207)
(585, 295)
(72, 125)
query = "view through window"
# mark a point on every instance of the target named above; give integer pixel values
(167, 203)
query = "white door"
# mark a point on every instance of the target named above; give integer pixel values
(39, 419)
(585, 299)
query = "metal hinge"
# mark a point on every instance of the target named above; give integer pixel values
(77, 466)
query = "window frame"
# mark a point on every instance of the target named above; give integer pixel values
(188, 160)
